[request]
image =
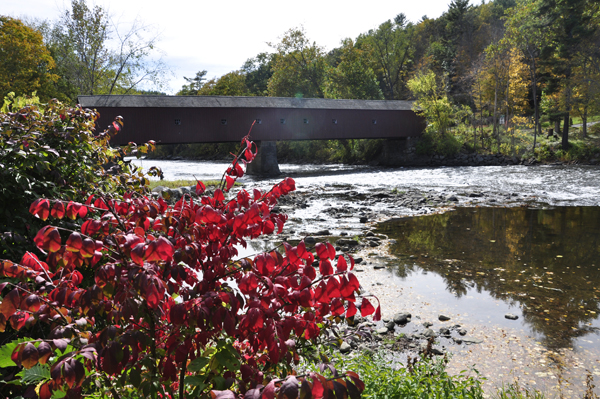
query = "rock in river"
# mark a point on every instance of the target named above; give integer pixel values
(511, 316)
(443, 317)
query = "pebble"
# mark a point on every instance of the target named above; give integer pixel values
(443, 317)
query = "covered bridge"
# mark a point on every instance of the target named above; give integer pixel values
(204, 119)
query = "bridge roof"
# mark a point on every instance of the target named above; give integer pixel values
(143, 101)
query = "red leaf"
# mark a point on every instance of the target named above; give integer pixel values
(29, 356)
(137, 254)
(330, 251)
(44, 352)
(152, 296)
(342, 266)
(310, 272)
(317, 389)
(222, 394)
(353, 282)
(200, 188)
(164, 249)
(48, 239)
(325, 267)
(322, 251)
(73, 210)
(45, 391)
(18, 320)
(230, 182)
(40, 208)
(269, 391)
(32, 303)
(377, 315)
(88, 247)
(366, 308)
(58, 211)
(74, 242)
(218, 195)
(305, 390)
(351, 311)
(10, 303)
(289, 389)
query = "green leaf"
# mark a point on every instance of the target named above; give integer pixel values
(195, 381)
(198, 364)
(36, 374)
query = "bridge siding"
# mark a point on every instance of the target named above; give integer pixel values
(204, 125)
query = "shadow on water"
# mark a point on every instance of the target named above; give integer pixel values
(546, 262)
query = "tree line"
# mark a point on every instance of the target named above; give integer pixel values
(505, 63)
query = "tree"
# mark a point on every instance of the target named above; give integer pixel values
(432, 102)
(82, 44)
(230, 84)
(26, 65)
(352, 77)
(258, 71)
(570, 23)
(194, 84)
(525, 33)
(391, 48)
(299, 67)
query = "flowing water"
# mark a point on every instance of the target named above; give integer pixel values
(539, 260)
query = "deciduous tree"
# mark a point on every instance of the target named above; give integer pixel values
(299, 67)
(25, 63)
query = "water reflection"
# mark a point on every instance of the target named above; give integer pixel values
(543, 261)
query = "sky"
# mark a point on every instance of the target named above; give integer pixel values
(219, 36)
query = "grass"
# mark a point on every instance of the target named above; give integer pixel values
(183, 183)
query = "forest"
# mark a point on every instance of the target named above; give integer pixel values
(506, 76)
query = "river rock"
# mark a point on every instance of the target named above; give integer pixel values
(443, 317)
(402, 318)
(358, 261)
(323, 233)
(452, 198)
(310, 240)
(158, 189)
(437, 352)
(363, 219)
(462, 331)
(470, 341)
(511, 316)
(346, 242)
(429, 333)
(345, 347)
(382, 331)
(390, 325)
(444, 331)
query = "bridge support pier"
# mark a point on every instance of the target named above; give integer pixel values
(265, 163)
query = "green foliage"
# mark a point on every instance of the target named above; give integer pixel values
(299, 67)
(53, 151)
(432, 144)
(352, 77)
(194, 84)
(431, 102)
(427, 378)
(25, 63)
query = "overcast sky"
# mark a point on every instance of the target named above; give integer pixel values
(219, 36)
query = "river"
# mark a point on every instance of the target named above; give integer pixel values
(526, 244)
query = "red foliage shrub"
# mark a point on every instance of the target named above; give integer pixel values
(153, 297)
